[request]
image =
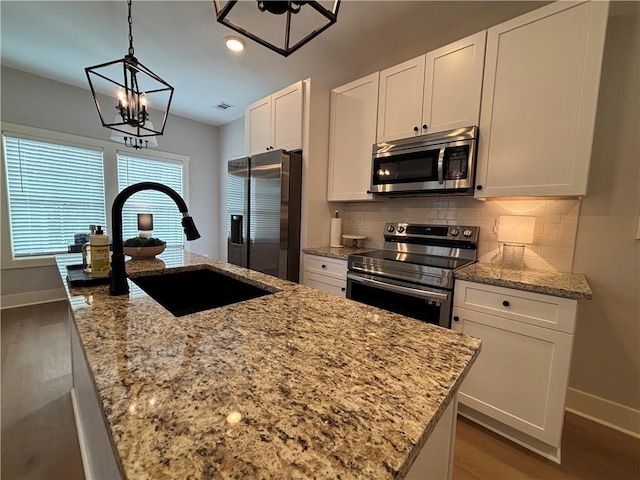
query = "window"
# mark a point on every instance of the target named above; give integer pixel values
(54, 191)
(167, 218)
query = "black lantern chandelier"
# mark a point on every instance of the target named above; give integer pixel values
(137, 90)
(299, 22)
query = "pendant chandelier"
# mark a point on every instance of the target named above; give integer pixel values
(137, 90)
(291, 24)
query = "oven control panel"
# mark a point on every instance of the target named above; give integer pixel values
(435, 232)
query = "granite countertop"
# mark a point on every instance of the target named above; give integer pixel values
(341, 253)
(296, 384)
(559, 284)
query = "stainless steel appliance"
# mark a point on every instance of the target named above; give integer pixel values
(413, 274)
(438, 163)
(263, 205)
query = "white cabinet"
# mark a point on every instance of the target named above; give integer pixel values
(434, 92)
(517, 387)
(326, 274)
(400, 100)
(352, 134)
(275, 121)
(453, 84)
(539, 100)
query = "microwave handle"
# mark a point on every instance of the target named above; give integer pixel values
(441, 165)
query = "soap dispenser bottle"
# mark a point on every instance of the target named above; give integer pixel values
(99, 253)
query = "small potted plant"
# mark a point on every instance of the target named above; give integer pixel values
(140, 247)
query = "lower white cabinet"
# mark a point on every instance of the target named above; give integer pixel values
(517, 386)
(326, 274)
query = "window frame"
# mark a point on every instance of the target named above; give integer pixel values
(110, 167)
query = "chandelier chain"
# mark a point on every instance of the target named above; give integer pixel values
(130, 20)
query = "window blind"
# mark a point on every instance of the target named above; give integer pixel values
(167, 218)
(54, 191)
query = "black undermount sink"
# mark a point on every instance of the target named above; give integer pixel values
(191, 291)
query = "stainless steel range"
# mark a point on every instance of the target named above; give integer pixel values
(413, 274)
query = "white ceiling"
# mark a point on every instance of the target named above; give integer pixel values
(182, 43)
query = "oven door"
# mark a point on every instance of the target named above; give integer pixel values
(427, 304)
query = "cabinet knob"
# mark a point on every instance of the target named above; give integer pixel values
(424, 127)
(324, 266)
(343, 289)
(478, 187)
(415, 129)
(506, 303)
(456, 318)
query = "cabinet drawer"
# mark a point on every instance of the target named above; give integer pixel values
(326, 284)
(330, 267)
(533, 308)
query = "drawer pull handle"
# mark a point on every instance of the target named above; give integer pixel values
(324, 266)
(506, 303)
(456, 318)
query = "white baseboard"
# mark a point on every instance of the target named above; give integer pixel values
(32, 298)
(605, 412)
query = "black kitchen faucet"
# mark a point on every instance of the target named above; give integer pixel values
(119, 285)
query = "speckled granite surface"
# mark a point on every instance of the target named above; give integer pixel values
(333, 252)
(296, 384)
(559, 284)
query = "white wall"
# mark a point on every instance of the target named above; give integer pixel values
(606, 358)
(231, 145)
(39, 102)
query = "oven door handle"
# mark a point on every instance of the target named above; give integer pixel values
(414, 292)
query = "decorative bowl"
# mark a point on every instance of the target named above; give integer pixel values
(143, 252)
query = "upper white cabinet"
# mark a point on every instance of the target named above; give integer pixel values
(400, 100)
(434, 92)
(275, 121)
(453, 84)
(539, 101)
(352, 133)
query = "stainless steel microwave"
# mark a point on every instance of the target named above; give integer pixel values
(437, 163)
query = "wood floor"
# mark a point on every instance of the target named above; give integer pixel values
(39, 439)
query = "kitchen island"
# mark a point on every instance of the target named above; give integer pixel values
(294, 384)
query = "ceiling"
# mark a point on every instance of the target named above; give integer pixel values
(182, 43)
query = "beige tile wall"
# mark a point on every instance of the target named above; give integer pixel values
(554, 236)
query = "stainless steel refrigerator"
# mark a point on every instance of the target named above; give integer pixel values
(263, 205)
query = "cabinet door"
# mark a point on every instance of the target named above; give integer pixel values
(286, 118)
(326, 284)
(257, 126)
(400, 100)
(539, 101)
(354, 109)
(453, 84)
(521, 375)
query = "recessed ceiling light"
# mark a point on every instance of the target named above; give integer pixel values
(235, 44)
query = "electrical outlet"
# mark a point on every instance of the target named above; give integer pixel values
(360, 220)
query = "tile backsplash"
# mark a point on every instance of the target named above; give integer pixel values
(554, 235)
